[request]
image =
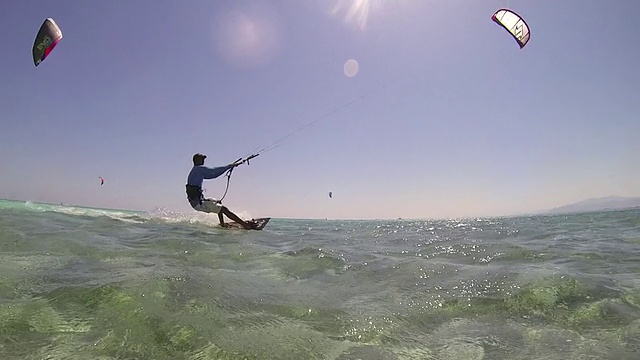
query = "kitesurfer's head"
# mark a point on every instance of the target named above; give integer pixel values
(198, 159)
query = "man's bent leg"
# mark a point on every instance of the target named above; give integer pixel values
(235, 218)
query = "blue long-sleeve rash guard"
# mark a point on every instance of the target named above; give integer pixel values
(201, 172)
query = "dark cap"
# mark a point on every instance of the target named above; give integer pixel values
(199, 156)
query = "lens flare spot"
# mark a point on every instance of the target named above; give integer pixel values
(351, 68)
(248, 37)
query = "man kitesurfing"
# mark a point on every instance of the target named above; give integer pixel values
(196, 198)
(199, 173)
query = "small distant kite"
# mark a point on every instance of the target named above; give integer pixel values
(48, 37)
(330, 194)
(101, 180)
(514, 24)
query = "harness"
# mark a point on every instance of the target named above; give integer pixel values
(194, 193)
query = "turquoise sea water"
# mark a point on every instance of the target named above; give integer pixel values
(81, 283)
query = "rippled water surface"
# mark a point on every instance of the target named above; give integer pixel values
(78, 283)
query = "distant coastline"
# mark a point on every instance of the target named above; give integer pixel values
(598, 204)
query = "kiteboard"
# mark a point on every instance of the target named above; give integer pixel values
(260, 224)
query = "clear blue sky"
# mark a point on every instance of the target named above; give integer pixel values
(458, 120)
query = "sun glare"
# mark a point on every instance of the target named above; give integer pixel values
(356, 12)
